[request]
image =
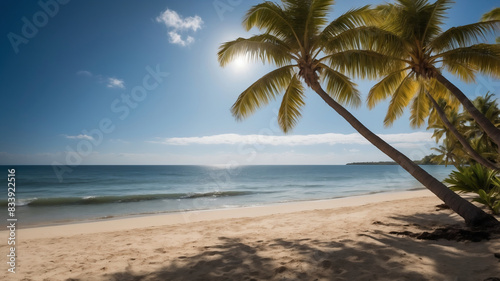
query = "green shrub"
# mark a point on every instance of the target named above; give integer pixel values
(479, 180)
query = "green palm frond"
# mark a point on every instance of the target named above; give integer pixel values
(340, 87)
(460, 70)
(351, 19)
(262, 92)
(420, 108)
(412, 19)
(491, 15)
(463, 36)
(386, 87)
(436, 14)
(440, 93)
(361, 63)
(400, 99)
(316, 18)
(368, 38)
(290, 109)
(271, 18)
(265, 47)
(483, 58)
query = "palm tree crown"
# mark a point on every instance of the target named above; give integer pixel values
(298, 40)
(412, 35)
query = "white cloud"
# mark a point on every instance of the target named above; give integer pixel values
(84, 73)
(296, 140)
(176, 38)
(79, 137)
(177, 25)
(115, 83)
(172, 19)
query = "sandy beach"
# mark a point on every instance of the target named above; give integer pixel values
(340, 239)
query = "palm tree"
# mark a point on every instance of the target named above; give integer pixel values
(492, 15)
(458, 136)
(488, 106)
(305, 48)
(419, 50)
(447, 154)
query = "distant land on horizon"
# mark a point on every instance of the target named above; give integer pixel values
(427, 160)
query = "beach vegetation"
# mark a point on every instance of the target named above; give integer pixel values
(480, 180)
(471, 176)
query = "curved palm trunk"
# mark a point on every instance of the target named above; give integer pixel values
(490, 129)
(465, 144)
(472, 215)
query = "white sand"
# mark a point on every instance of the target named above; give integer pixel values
(341, 239)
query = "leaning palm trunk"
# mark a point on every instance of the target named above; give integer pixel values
(488, 127)
(472, 215)
(465, 144)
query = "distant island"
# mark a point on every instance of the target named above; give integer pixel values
(427, 160)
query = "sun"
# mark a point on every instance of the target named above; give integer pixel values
(240, 62)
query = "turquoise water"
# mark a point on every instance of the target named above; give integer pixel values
(97, 192)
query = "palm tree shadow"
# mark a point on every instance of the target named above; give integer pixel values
(294, 259)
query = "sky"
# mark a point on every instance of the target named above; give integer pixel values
(127, 82)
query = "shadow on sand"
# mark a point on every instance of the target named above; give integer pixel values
(377, 255)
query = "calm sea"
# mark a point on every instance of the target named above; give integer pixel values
(99, 192)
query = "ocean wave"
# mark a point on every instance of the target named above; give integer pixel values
(91, 200)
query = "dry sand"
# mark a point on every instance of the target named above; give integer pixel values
(341, 239)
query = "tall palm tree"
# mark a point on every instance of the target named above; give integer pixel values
(412, 37)
(492, 15)
(305, 48)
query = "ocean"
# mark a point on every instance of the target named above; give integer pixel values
(100, 192)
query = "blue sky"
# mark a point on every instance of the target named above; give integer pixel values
(137, 82)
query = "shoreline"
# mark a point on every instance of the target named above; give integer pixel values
(160, 213)
(184, 217)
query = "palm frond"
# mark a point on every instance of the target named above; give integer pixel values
(463, 36)
(265, 47)
(262, 91)
(316, 18)
(340, 87)
(437, 13)
(350, 19)
(362, 63)
(386, 87)
(400, 99)
(483, 58)
(420, 108)
(409, 19)
(271, 18)
(462, 71)
(494, 14)
(368, 38)
(290, 109)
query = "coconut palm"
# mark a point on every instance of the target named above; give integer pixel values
(447, 154)
(492, 15)
(411, 36)
(453, 129)
(488, 106)
(307, 49)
